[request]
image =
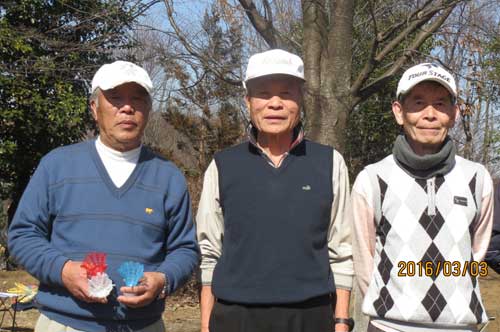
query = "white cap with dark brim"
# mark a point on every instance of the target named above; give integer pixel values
(426, 72)
(111, 75)
(274, 62)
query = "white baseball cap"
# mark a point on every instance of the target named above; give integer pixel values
(274, 62)
(426, 72)
(117, 73)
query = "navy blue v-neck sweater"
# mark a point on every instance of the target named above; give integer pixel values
(71, 207)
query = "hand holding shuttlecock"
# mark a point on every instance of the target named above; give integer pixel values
(100, 285)
(131, 272)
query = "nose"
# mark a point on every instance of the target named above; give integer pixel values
(127, 106)
(275, 102)
(430, 112)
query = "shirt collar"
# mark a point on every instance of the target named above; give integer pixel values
(298, 136)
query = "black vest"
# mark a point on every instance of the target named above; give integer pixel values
(276, 223)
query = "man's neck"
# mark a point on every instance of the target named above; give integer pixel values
(119, 146)
(275, 146)
(117, 152)
(423, 150)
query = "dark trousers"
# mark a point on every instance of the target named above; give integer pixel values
(314, 315)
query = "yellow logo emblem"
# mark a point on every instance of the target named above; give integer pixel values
(149, 210)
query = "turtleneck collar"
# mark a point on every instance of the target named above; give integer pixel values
(427, 166)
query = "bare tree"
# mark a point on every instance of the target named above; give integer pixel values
(470, 45)
(325, 40)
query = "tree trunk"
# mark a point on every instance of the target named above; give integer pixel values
(315, 27)
(329, 110)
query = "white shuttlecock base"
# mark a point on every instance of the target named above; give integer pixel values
(100, 285)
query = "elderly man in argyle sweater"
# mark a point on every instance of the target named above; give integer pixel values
(422, 218)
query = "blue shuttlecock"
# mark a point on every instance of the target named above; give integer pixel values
(131, 272)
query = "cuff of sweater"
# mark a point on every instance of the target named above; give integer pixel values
(55, 276)
(206, 276)
(343, 281)
(172, 273)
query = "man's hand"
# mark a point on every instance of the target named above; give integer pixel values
(74, 278)
(146, 292)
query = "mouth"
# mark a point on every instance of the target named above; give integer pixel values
(429, 129)
(274, 118)
(127, 124)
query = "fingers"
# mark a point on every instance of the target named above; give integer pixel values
(82, 295)
(137, 301)
(79, 294)
(134, 290)
(138, 296)
(101, 300)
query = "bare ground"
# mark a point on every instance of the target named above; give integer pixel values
(183, 315)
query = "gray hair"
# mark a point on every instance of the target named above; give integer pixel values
(94, 97)
(401, 98)
(302, 91)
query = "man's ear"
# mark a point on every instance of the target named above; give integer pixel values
(454, 117)
(247, 102)
(457, 112)
(397, 110)
(93, 109)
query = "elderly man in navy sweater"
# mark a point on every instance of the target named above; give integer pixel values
(273, 219)
(109, 195)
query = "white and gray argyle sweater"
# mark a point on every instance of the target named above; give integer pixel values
(418, 221)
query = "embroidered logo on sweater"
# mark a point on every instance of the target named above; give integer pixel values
(307, 187)
(149, 210)
(460, 200)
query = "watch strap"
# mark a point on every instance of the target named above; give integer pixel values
(164, 291)
(348, 321)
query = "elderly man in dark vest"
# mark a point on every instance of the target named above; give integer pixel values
(273, 220)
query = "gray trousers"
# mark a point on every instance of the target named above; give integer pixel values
(45, 324)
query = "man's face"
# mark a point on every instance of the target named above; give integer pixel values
(122, 114)
(426, 114)
(274, 104)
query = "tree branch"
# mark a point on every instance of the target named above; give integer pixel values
(421, 19)
(262, 25)
(370, 63)
(418, 41)
(190, 49)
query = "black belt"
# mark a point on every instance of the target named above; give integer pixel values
(327, 299)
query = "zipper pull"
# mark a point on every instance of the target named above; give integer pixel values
(431, 197)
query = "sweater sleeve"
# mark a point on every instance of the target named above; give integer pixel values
(339, 233)
(29, 232)
(483, 224)
(182, 250)
(209, 224)
(493, 255)
(364, 230)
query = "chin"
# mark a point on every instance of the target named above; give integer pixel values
(274, 133)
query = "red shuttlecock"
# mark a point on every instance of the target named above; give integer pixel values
(94, 263)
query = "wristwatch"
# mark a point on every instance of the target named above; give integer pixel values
(164, 291)
(347, 321)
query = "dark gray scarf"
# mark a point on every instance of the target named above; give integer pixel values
(424, 167)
